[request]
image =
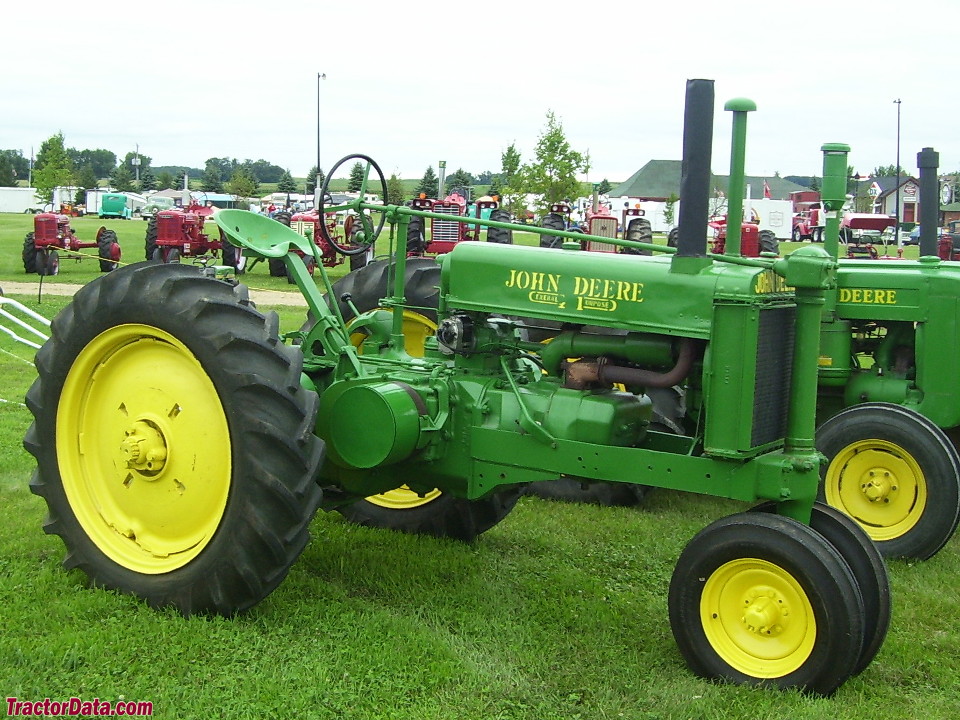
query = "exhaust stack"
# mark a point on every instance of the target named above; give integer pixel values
(695, 172)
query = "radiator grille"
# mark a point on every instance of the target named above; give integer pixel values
(774, 364)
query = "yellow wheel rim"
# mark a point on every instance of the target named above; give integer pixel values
(757, 618)
(143, 448)
(416, 329)
(403, 498)
(878, 484)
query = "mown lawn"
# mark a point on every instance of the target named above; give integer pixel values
(559, 612)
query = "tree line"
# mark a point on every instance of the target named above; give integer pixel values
(550, 175)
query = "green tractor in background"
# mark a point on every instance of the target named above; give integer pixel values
(183, 444)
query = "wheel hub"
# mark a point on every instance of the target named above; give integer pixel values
(878, 485)
(144, 448)
(765, 612)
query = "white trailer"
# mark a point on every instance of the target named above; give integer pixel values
(20, 200)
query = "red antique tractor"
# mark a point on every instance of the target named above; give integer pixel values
(857, 229)
(445, 234)
(52, 235)
(178, 233)
(308, 223)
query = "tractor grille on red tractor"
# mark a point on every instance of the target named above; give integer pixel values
(445, 230)
(774, 369)
(604, 227)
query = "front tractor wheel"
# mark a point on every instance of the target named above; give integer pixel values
(894, 472)
(173, 441)
(761, 599)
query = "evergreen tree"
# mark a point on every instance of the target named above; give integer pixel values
(179, 180)
(147, 180)
(509, 185)
(429, 184)
(211, 182)
(286, 183)
(165, 180)
(356, 177)
(395, 192)
(243, 183)
(312, 179)
(604, 187)
(122, 179)
(20, 164)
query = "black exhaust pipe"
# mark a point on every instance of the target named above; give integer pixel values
(695, 169)
(928, 160)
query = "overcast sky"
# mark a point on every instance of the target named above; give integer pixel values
(411, 83)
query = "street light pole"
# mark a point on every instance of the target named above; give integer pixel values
(897, 208)
(317, 182)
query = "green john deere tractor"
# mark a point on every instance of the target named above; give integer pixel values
(183, 444)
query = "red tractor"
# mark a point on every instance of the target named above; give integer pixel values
(308, 224)
(177, 233)
(445, 234)
(52, 234)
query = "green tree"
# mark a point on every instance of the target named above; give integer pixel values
(165, 180)
(553, 175)
(52, 168)
(395, 193)
(886, 171)
(148, 180)
(128, 163)
(86, 177)
(510, 183)
(101, 161)
(670, 209)
(122, 179)
(312, 179)
(429, 183)
(179, 180)
(20, 164)
(8, 176)
(604, 187)
(356, 177)
(286, 183)
(460, 179)
(211, 181)
(243, 183)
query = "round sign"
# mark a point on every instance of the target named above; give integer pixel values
(946, 194)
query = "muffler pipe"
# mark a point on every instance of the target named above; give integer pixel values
(695, 169)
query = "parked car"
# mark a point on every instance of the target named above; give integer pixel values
(914, 237)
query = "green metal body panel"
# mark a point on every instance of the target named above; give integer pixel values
(114, 205)
(627, 292)
(917, 305)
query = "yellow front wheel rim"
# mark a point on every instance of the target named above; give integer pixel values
(880, 485)
(403, 498)
(143, 449)
(758, 618)
(416, 329)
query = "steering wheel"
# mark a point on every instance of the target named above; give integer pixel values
(368, 233)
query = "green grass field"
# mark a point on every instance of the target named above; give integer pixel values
(559, 612)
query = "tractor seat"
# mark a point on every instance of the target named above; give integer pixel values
(264, 236)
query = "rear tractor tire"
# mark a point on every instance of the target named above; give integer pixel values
(500, 235)
(638, 230)
(435, 513)
(108, 250)
(29, 254)
(896, 473)
(198, 485)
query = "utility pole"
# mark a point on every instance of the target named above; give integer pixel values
(317, 181)
(897, 208)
